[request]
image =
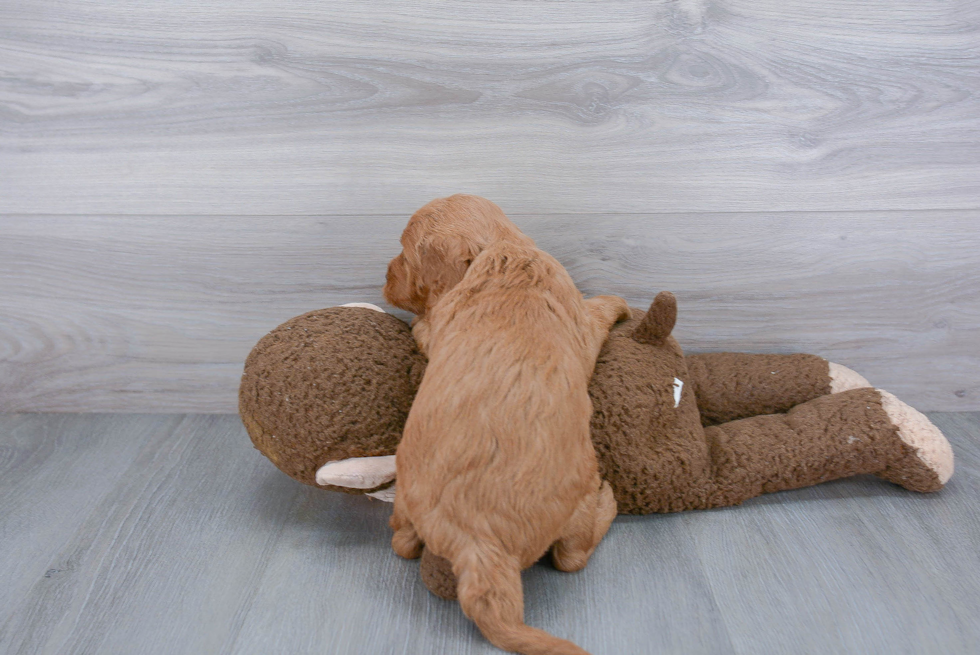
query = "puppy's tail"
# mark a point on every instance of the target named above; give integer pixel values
(489, 591)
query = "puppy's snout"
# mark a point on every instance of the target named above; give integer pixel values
(390, 275)
(391, 280)
(397, 290)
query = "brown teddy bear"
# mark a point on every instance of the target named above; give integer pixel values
(326, 394)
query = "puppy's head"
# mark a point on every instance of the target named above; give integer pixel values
(438, 246)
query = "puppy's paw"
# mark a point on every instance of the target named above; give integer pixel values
(569, 562)
(406, 543)
(611, 309)
(625, 313)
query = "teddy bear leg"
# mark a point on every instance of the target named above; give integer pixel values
(854, 432)
(844, 379)
(584, 530)
(732, 386)
(437, 574)
(927, 462)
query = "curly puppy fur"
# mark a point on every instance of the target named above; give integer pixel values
(496, 464)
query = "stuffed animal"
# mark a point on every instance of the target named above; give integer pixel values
(326, 394)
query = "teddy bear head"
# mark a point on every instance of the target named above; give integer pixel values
(328, 386)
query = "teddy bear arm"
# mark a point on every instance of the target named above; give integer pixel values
(731, 386)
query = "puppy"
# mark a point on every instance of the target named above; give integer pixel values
(496, 464)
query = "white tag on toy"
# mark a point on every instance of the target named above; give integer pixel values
(678, 386)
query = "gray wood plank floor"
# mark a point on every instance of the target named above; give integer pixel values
(170, 534)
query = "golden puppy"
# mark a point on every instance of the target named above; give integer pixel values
(496, 464)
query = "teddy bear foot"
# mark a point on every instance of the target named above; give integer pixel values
(928, 461)
(844, 379)
(437, 574)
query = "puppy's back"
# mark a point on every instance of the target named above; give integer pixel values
(497, 442)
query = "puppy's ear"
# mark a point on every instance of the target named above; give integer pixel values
(444, 262)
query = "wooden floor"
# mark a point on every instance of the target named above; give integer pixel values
(170, 534)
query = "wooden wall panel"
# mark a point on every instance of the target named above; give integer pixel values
(157, 313)
(176, 178)
(345, 107)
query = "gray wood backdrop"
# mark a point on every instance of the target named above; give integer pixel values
(177, 178)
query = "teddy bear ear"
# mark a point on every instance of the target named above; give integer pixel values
(659, 321)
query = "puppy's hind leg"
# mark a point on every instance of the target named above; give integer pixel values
(405, 542)
(584, 530)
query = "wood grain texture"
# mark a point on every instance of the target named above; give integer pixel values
(801, 574)
(188, 541)
(167, 561)
(133, 314)
(345, 107)
(54, 473)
